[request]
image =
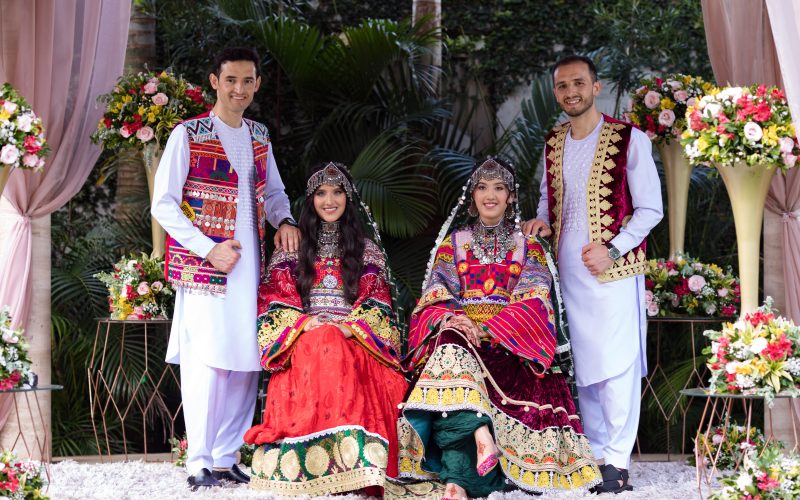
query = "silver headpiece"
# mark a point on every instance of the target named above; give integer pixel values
(333, 175)
(490, 170)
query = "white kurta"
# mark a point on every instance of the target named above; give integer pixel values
(219, 331)
(607, 321)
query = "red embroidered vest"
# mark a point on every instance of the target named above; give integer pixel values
(608, 200)
(209, 200)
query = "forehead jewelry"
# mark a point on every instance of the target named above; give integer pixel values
(331, 175)
(491, 170)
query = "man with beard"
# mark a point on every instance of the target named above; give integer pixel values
(600, 197)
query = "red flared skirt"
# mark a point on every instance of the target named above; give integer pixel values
(331, 381)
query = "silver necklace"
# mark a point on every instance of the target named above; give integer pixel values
(491, 243)
(328, 240)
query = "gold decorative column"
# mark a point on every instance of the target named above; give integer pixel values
(747, 189)
(152, 157)
(5, 172)
(677, 174)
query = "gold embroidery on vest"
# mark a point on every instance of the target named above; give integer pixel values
(556, 157)
(187, 210)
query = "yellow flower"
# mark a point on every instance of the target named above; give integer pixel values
(4, 115)
(127, 98)
(686, 134)
(744, 369)
(155, 109)
(635, 119)
(666, 103)
(151, 117)
(702, 144)
(771, 135)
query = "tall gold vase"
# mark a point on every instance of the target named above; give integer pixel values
(747, 189)
(152, 157)
(677, 173)
(5, 173)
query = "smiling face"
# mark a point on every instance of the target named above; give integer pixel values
(491, 198)
(575, 91)
(330, 202)
(236, 85)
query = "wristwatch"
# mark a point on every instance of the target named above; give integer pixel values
(287, 220)
(613, 253)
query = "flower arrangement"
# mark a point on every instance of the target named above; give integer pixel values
(685, 286)
(741, 124)
(22, 142)
(769, 476)
(145, 107)
(15, 362)
(730, 444)
(179, 447)
(20, 480)
(758, 354)
(136, 290)
(658, 106)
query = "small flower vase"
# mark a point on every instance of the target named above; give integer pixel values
(151, 154)
(5, 173)
(677, 174)
(747, 188)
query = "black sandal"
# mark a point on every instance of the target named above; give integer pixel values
(611, 478)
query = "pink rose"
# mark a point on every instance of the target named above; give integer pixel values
(717, 439)
(696, 283)
(160, 99)
(722, 292)
(30, 160)
(674, 84)
(138, 310)
(789, 159)
(666, 117)
(144, 134)
(681, 96)
(10, 107)
(157, 286)
(652, 309)
(9, 154)
(25, 122)
(648, 296)
(753, 131)
(652, 99)
(787, 144)
(150, 87)
(142, 288)
(40, 164)
(125, 131)
(691, 102)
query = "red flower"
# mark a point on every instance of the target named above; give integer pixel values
(730, 377)
(763, 112)
(659, 82)
(107, 122)
(728, 310)
(649, 284)
(766, 483)
(761, 91)
(778, 94)
(696, 121)
(31, 146)
(779, 349)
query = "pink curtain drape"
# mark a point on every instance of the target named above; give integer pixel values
(743, 51)
(60, 55)
(784, 198)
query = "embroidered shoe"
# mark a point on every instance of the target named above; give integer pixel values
(488, 464)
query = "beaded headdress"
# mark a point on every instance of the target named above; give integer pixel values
(333, 175)
(490, 170)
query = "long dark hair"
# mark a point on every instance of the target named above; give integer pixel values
(351, 245)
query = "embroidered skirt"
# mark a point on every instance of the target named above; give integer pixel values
(533, 418)
(329, 421)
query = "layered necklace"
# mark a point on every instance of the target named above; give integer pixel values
(491, 243)
(328, 240)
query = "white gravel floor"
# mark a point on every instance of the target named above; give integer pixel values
(155, 481)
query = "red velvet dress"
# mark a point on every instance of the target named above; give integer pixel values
(332, 402)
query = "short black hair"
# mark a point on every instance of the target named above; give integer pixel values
(573, 58)
(236, 54)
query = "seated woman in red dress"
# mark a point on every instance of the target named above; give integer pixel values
(491, 403)
(328, 334)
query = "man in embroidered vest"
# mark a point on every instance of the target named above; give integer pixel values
(600, 197)
(216, 187)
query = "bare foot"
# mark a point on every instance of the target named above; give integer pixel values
(485, 444)
(454, 492)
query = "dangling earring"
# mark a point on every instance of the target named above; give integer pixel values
(509, 210)
(472, 210)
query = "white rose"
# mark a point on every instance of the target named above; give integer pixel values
(731, 367)
(743, 481)
(753, 131)
(758, 345)
(25, 122)
(712, 109)
(9, 154)
(652, 309)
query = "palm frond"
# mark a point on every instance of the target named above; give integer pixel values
(389, 178)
